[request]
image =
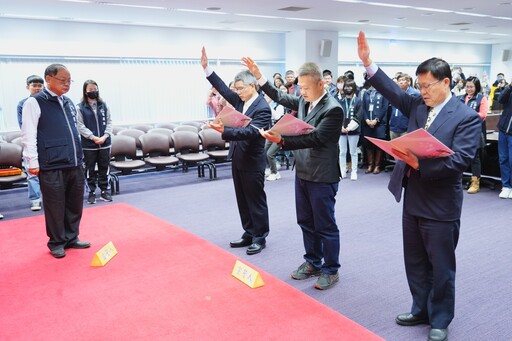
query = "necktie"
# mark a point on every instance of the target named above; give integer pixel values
(310, 109)
(431, 115)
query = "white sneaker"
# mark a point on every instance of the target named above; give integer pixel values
(506, 193)
(1, 216)
(343, 175)
(267, 171)
(353, 176)
(274, 176)
(36, 205)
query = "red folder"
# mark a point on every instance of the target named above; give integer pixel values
(232, 118)
(290, 125)
(419, 142)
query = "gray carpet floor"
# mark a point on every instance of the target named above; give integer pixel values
(372, 288)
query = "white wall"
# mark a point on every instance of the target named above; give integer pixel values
(138, 93)
(498, 64)
(125, 91)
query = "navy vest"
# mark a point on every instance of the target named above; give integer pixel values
(96, 123)
(58, 141)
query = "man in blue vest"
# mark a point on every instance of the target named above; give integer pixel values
(51, 146)
(35, 84)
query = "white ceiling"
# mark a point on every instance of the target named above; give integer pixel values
(472, 21)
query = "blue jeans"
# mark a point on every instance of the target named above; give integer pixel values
(314, 202)
(505, 157)
(34, 191)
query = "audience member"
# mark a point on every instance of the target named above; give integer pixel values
(505, 142)
(340, 83)
(293, 89)
(278, 81)
(329, 87)
(35, 84)
(352, 110)
(375, 111)
(52, 148)
(318, 172)
(496, 90)
(271, 149)
(478, 102)
(247, 151)
(94, 124)
(433, 189)
(459, 87)
(398, 122)
(214, 102)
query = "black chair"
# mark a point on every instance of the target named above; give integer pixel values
(187, 148)
(167, 125)
(135, 134)
(213, 144)
(10, 163)
(155, 148)
(124, 154)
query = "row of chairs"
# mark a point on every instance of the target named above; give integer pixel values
(194, 126)
(161, 148)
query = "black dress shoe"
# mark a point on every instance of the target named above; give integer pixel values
(78, 245)
(438, 335)
(241, 242)
(409, 319)
(255, 248)
(58, 253)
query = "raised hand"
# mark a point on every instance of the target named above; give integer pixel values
(204, 58)
(363, 49)
(252, 66)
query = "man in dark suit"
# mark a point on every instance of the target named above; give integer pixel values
(318, 172)
(433, 188)
(247, 150)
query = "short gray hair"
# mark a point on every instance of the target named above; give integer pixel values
(246, 77)
(310, 69)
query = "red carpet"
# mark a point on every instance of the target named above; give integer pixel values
(164, 284)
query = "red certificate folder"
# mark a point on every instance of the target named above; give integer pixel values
(419, 142)
(232, 118)
(290, 125)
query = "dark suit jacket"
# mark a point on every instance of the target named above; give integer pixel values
(247, 146)
(316, 157)
(435, 190)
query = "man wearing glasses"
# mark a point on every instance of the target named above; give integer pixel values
(433, 188)
(247, 151)
(51, 146)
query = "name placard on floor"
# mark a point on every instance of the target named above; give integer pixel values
(248, 275)
(104, 255)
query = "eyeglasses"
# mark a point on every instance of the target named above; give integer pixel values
(240, 89)
(63, 81)
(428, 86)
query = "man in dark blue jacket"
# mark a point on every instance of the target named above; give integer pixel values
(433, 188)
(51, 146)
(247, 150)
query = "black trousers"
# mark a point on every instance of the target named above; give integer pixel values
(63, 197)
(252, 204)
(101, 157)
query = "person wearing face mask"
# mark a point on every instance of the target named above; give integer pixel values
(95, 126)
(352, 110)
(339, 86)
